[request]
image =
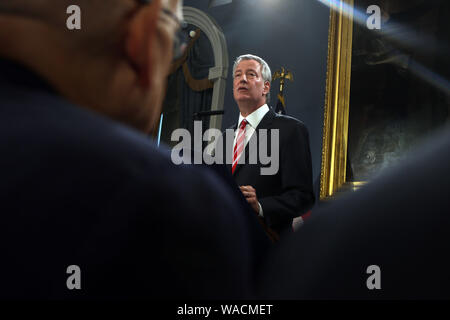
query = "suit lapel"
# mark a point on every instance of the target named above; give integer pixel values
(265, 123)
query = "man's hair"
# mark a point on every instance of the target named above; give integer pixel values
(265, 69)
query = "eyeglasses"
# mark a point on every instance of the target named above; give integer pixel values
(180, 37)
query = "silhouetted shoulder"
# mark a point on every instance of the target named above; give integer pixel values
(398, 223)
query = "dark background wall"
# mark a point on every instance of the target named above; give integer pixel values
(288, 33)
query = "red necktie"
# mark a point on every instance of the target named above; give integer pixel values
(239, 146)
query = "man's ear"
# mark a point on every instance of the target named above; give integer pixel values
(266, 87)
(140, 39)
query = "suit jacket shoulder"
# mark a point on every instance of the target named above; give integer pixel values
(288, 122)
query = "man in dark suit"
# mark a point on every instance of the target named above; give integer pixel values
(280, 190)
(388, 240)
(90, 209)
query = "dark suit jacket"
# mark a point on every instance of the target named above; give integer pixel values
(79, 189)
(399, 222)
(288, 193)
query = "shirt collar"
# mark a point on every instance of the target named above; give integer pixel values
(255, 117)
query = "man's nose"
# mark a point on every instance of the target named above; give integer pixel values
(244, 78)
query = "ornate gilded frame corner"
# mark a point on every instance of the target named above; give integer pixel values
(337, 98)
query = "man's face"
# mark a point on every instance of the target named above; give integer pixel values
(248, 85)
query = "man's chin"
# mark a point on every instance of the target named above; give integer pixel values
(243, 98)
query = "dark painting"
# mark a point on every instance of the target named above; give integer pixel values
(399, 82)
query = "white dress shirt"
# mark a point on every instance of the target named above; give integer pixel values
(253, 120)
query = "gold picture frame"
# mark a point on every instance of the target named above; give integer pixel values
(337, 98)
(396, 100)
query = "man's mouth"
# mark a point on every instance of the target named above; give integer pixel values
(242, 89)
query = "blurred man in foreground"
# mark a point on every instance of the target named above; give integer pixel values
(89, 208)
